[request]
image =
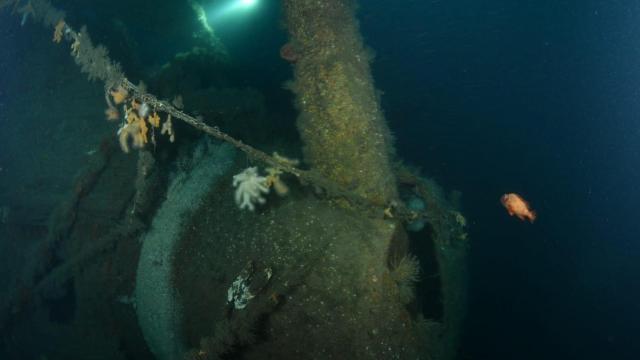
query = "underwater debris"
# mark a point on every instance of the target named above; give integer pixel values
(250, 187)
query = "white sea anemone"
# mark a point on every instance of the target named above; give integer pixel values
(143, 110)
(249, 188)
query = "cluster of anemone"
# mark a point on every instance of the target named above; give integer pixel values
(251, 186)
(139, 118)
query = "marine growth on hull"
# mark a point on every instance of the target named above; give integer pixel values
(192, 205)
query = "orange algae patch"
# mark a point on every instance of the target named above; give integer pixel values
(135, 129)
(143, 131)
(111, 113)
(154, 119)
(119, 95)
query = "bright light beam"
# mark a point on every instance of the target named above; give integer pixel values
(232, 7)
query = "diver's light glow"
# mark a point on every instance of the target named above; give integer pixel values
(230, 8)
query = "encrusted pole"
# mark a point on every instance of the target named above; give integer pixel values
(344, 132)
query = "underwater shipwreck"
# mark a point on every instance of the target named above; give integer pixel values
(193, 229)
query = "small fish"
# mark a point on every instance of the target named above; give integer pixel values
(517, 206)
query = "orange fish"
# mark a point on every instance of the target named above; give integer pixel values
(517, 206)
